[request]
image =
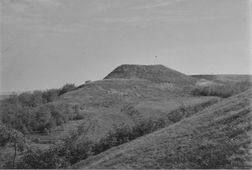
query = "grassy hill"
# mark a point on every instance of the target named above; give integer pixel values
(136, 94)
(106, 103)
(217, 137)
(126, 109)
(110, 103)
(155, 73)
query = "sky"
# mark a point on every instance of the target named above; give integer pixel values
(48, 43)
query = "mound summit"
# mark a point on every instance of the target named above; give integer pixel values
(154, 73)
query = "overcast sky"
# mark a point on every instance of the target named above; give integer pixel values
(47, 43)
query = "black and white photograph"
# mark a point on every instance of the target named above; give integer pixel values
(125, 84)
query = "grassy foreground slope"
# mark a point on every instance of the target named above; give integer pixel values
(217, 137)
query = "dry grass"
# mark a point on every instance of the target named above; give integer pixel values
(216, 137)
(103, 101)
(221, 90)
(154, 73)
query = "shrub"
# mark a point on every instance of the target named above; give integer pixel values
(66, 88)
(57, 114)
(41, 159)
(148, 126)
(29, 112)
(43, 119)
(78, 117)
(50, 95)
(14, 139)
(79, 152)
(17, 117)
(68, 152)
(223, 91)
(123, 134)
(30, 99)
(32, 119)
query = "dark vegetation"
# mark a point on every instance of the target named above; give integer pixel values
(223, 90)
(124, 134)
(67, 152)
(12, 138)
(33, 112)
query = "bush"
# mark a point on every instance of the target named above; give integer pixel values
(32, 119)
(78, 117)
(148, 126)
(57, 114)
(60, 155)
(223, 91)
(30, 112)
(123, 134)
(41, 159)
(11, 138)
(43, 120)
(17, 117)
(68, 152)
(79, 152)
(66, 88)
(50, 95)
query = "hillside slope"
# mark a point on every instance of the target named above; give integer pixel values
(112, 102)
(217, 137)
(224, 78)
(154, 73)
(109, 103)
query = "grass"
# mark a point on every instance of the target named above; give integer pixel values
(223, 91)
(154, 73)
(216, 137)
(70, 152)
(144, 99)
(225, 78)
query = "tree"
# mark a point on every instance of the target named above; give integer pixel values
(17, 117)
(43, 119)
(50, 95)
(14, 139)
(57, 114)
(66, 88)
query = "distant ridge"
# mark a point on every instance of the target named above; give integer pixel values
(225, 78)
(154, 73)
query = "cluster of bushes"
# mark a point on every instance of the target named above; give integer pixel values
(12, 139)
(223, 91)
(33, 112)
(125, 134)
(40, 119)
(68, 152)
(188, 110)
(36, 98)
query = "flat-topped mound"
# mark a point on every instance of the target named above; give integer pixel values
(154, 73)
